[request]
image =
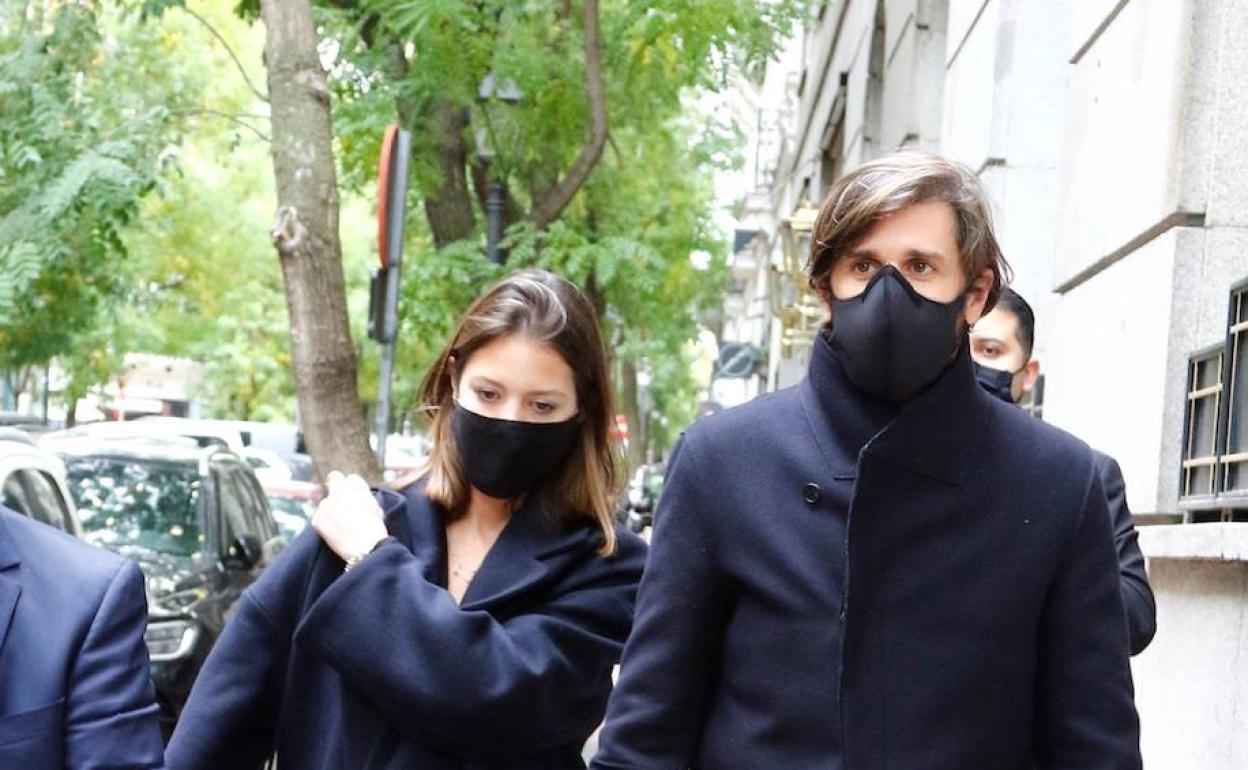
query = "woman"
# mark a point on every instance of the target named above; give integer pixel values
(471, 618)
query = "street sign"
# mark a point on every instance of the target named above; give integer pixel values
(737, 360)
(386, 177)
(396, 150)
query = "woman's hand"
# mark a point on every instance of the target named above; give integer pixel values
(349, 519)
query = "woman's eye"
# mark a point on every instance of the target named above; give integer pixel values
(543, 407)
(486, 395)
(861, 266)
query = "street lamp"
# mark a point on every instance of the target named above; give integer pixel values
(487, 149)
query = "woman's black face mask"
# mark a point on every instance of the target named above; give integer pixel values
(893, 341)
(506, 458)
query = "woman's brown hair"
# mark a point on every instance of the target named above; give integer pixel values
(548, 309)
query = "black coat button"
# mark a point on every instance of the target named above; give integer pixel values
(812, 493)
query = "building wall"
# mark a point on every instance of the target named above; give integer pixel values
(1153, 161)
(1191, 685)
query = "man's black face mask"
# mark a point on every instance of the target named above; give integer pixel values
(893, 341)
(998, 382)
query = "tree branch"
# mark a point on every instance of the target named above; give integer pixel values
(228, 50)
(236, 119)
(548, 208)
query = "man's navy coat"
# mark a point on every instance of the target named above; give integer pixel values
(378, 668)
(965, 614)
(75, 691)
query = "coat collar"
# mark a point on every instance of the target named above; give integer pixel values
(841, 417)
(936, 434)
(10, 587)
(518, 561)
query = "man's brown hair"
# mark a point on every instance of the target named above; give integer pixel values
(885, 186)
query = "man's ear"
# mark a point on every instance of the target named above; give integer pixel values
(977, 296)
(1031, 373)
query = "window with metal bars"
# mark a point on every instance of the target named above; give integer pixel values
(1215, 432)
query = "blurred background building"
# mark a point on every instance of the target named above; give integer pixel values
(1110, 136)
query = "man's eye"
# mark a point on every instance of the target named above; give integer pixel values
(921, 267)
(861, 266)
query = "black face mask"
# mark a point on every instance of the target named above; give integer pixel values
(998, 382)
(893, 341)
(505, 458)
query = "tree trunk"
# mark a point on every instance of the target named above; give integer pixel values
(631, 408)
(305, 233)
(449, 208)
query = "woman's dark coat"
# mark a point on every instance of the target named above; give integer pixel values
(947, 599)
(379, 668)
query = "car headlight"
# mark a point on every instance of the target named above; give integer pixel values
(170, 639)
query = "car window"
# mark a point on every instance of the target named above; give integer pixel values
(134, 506)
(13, 495)
(34, 494)
(43, 495)
(257, 505)
(236, 520)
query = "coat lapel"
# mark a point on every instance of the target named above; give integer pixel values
(841, 417)
(419, 526)
(520, 557)
(10, 587)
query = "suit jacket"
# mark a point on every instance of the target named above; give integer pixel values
(378, 667)
(1137, 594)
(979, 623)
(75, 691)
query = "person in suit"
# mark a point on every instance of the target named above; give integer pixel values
(1002, 345)
(883, 566)
(75, 690)
(471, 618)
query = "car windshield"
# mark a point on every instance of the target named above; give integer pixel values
(126, 504)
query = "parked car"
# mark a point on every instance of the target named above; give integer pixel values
(301, 466)
(198, 524)
(268, 465)
(32, 482)
(293, 503)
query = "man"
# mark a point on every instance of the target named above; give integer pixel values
(74, 685)
(883, 567)
(1002, 344)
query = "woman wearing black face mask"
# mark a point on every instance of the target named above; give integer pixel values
(474, 615)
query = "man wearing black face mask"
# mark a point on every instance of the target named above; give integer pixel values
(884, 566)
(1001, 345)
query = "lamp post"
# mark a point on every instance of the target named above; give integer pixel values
(487, 150)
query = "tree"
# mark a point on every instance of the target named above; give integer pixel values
(602, 179)
(305, 234)
(88, 109)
